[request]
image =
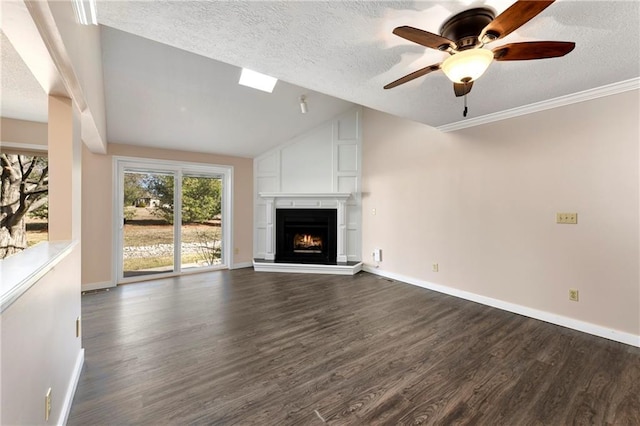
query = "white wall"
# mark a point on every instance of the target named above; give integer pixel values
(324, 160)
(39, 344)
(40, 349)
(481, 202)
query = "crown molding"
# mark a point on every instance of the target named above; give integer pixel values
(598, 92)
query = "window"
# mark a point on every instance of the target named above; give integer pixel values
(24, 201)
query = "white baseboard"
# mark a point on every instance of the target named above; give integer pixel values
(585, 327)
(71, 389)
(97, 286)
(241, 265)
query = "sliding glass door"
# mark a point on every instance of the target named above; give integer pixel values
(170, 218)
(148, 231)
(201, 222)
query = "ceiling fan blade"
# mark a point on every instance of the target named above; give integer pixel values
(461, 89)
(532, 50)
(423, 38)
(413, 75)
(513, 18)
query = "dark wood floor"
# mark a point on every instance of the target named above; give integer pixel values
(242, 347)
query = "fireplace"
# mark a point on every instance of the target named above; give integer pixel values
(306, 236)
(323, 215)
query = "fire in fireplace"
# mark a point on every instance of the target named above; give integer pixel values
(307, 243)
(306, 235)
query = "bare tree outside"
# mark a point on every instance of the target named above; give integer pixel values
(24, 189)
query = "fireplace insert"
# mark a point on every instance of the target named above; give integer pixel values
(306, 236)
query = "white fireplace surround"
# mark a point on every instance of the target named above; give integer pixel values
(331, 200)
(320, 169)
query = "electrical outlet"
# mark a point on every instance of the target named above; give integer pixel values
(435, 267)
(373, 212)
(573, 294)
(567, 218)
(47, 405)
(236, 250)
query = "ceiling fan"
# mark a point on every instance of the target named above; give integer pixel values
(465, 34)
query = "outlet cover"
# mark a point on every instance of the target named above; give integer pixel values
(567, 218)
(47, 405)
(573, 294)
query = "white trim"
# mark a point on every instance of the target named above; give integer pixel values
(97, 286)
(25, 146)
(71, 389)
(198, 270)
(313, 195)
(583, 326)
(586, 95)
(242, 265)
(308, 268)
(227, 219)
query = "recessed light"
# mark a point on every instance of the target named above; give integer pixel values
(257, 80)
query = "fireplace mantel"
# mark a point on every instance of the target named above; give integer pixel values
(301, 196)
(310, 200)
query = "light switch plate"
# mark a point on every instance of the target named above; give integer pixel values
(377, 255)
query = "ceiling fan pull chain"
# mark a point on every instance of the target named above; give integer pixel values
(464, 113)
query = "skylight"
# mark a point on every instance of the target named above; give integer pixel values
(85, 10)
(257, 80)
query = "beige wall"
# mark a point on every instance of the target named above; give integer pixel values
(23, 132)
(97, 205)
(481, 203)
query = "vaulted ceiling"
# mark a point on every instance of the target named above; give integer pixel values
(22, 97)
(171, 67)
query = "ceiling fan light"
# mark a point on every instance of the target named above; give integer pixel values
(467, 65)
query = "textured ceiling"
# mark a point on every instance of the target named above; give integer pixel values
(170, 68)
(346, 49)
(24, 101)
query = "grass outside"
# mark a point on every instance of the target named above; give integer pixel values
(138, 234)
(141, 263)
(37, 231)
(145, 229)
